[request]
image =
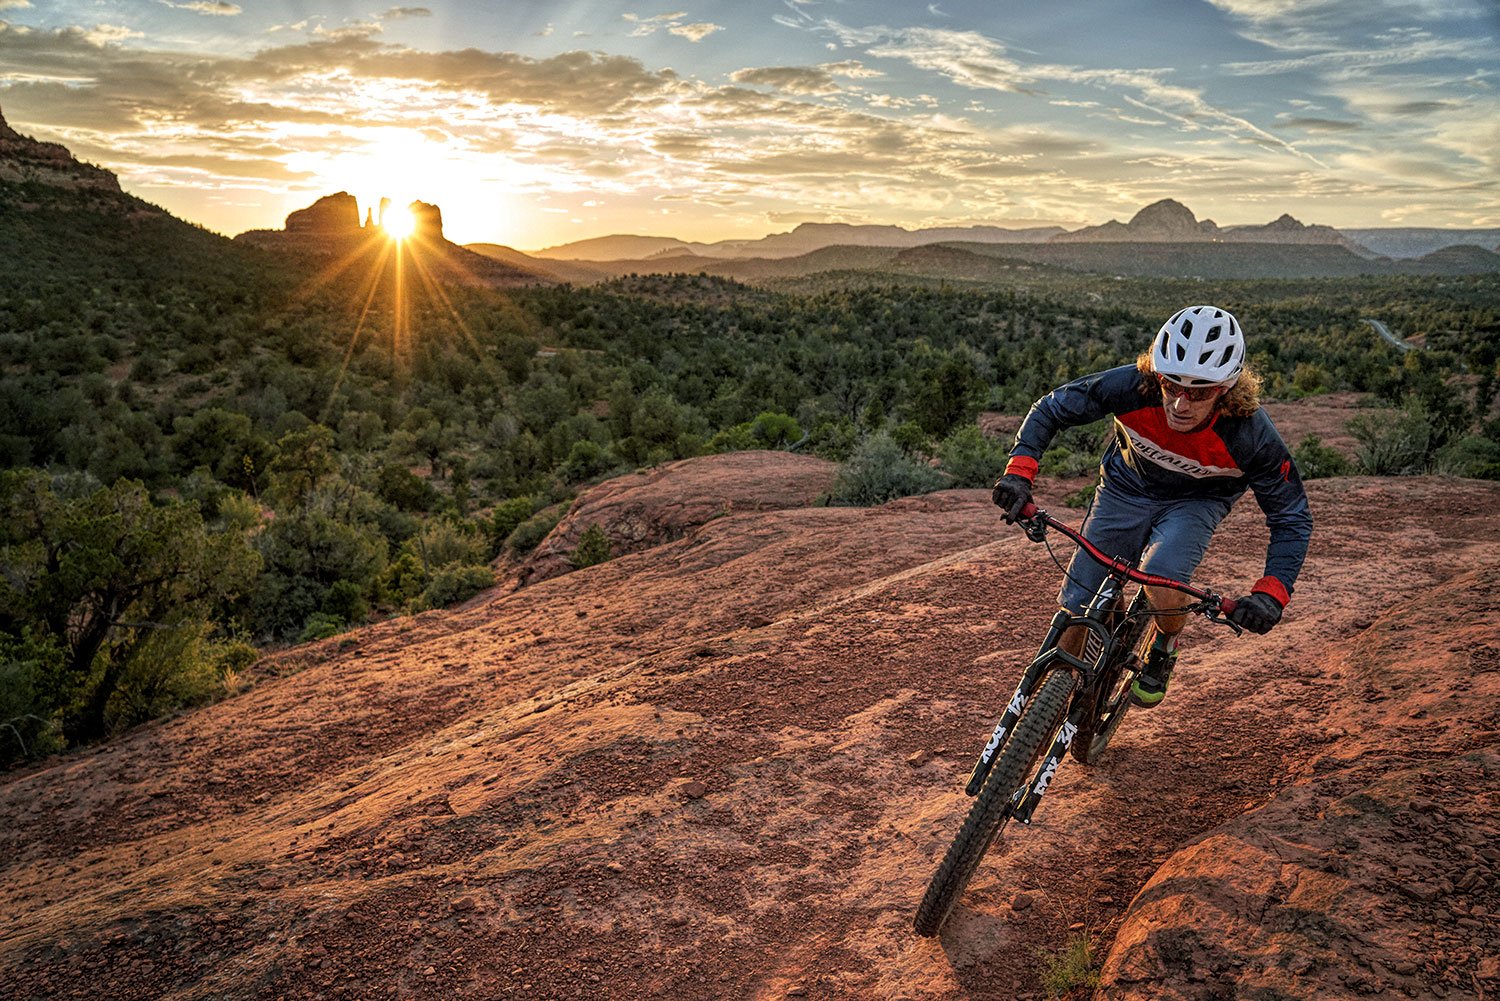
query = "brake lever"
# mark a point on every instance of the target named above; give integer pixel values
(1212, 614)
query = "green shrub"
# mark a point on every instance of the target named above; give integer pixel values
(402, 581)
(911, 439)
(971, 458)
(505, 518)
(1392, 446)
(774, 430)
(593, 547)
(346, 602)
(456, 583)
(320, 625)
(441, 543)
(29, 723)
(534, 529)
(834, 440)
(1472, 456)
(1070, 969)
(880, 471)
(1317, 461)
(403, 488)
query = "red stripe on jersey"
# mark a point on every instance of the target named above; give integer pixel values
(1203, 446)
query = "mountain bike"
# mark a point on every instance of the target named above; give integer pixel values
(1064, 704)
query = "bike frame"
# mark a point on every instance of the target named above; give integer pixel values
(1095, 619)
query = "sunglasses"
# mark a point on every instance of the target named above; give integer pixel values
(1196, 394)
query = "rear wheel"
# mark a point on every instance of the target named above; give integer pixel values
(1028, 740)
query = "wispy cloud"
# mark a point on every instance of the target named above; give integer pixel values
(973, 60)
(400, 13)
(672, 23)
(217, 8)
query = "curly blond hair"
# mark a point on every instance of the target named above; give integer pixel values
(1242, 400)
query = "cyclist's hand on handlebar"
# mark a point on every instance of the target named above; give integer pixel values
(1012, 492)
(1257, 612)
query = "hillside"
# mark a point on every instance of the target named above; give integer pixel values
(724, 767)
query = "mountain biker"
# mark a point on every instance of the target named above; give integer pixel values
(1189, 437)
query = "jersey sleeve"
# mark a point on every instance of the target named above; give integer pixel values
(1277, 485)
(1082, 401)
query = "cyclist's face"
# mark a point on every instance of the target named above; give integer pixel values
(1185, 413)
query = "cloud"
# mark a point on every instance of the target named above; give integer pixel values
(217, 8)
(1330, 24)
(695, 32)
(673, 24)
(851, 68)
(402, 13)
(1422, 107)
(1343, 60)
(107, 33)
(789, 79)
(973, 60)
(14, 4)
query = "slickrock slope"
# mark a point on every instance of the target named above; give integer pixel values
(645, 509)
(725, 767)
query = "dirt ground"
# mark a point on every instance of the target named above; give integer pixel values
(726, 765)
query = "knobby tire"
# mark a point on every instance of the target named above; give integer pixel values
(1027, 742)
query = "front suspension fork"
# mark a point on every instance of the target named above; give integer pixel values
(1018, 700)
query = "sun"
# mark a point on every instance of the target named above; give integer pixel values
(399, 223)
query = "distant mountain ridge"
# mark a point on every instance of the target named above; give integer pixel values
(1169, 221)
(805, 238)
(1163, 221)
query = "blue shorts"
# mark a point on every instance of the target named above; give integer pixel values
(1168, 536)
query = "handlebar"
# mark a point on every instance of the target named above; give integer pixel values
(1036, 522)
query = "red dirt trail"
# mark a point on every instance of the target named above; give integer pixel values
(725, 765)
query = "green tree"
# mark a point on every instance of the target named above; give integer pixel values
(107, 578)
(303, 459)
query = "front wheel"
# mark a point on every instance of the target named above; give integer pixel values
(992, 807)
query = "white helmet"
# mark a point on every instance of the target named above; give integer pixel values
(1199, 346)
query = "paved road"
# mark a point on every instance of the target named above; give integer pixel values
(1385, 332)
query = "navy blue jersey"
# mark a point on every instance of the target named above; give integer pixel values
(1147, 458)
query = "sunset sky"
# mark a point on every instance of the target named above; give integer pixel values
(536, 123)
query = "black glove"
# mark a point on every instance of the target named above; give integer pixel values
(1012, 493)
(1257, 612)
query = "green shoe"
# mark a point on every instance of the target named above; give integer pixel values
(1150, 686)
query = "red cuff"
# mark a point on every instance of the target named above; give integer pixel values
(1022, 465)
(1274, 587)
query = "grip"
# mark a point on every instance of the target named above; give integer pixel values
(1028, 510)
(1228, 605)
